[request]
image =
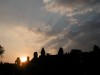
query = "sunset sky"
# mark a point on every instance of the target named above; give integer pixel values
(28, 25)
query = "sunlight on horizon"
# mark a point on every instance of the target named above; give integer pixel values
(23, 59)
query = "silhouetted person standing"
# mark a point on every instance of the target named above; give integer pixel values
(28, 58)
(18, 61)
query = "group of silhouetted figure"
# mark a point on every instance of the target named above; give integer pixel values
(74, 63)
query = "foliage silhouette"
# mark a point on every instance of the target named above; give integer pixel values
(1, 50)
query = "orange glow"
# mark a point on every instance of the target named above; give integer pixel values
(23, 59)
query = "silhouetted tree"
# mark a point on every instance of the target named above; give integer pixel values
(60, 52)
(1, 50)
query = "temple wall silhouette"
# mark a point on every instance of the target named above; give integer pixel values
(74, 63)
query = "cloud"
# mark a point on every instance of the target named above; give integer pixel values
(80, 27)
(72, 7)
(25, 26)
(81, 35)
(19, 40)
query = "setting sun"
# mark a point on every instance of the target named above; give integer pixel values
(23, 59)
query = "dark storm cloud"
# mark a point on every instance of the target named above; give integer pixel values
(81, 26)
(78, 36)
(72, 7)
(73, 2)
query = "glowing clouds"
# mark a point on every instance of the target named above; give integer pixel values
(19, 39)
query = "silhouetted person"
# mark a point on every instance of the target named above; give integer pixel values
(18, 61)
(61, 52)
(28, 58)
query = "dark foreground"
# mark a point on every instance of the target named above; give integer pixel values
(73, 63)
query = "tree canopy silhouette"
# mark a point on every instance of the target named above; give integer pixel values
(1, 50)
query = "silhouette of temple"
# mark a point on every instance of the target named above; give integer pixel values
(76, 60)
(74, 63)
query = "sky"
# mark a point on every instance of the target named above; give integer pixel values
(28, 25)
